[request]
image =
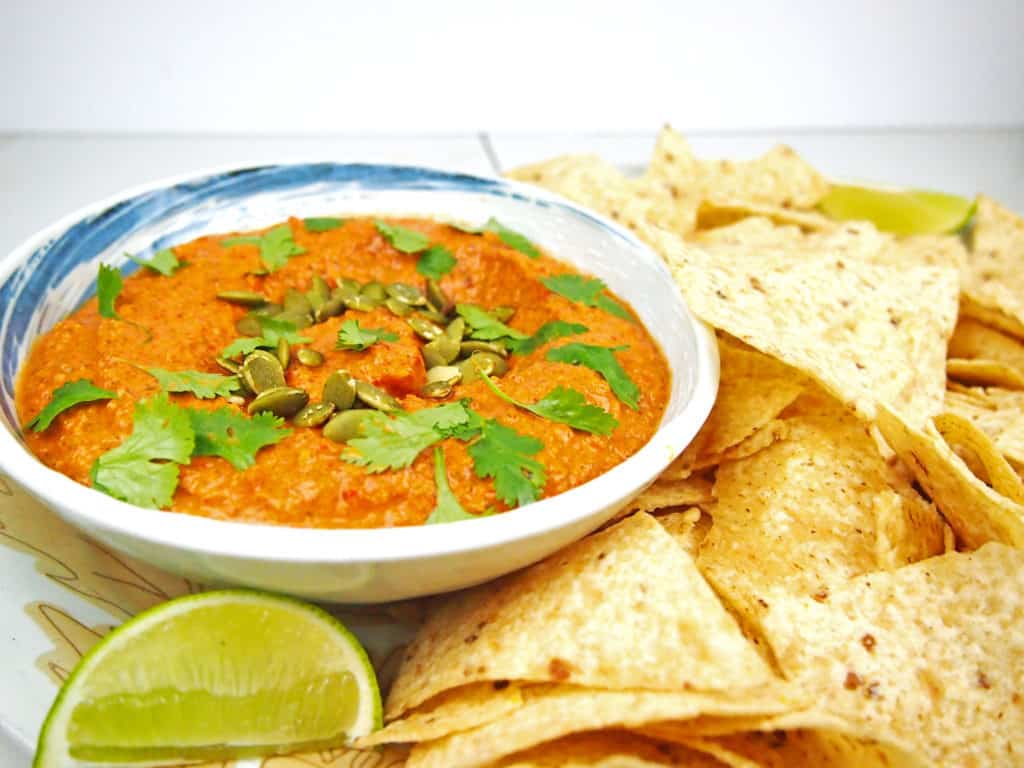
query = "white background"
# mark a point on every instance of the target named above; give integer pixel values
(443, 66)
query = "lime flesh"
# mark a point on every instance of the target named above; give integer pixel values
(901, 212)
(212, 676)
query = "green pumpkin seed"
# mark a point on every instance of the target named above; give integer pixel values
(362, 303)
(249, 325)
(309, 357)
(267, 310)
(375, 398)
(504, 314)
(235, 399)
(471, 347)
(284, 352)
(313, 415)
(425, 329)
(456, 329)
(280, 401)
(297, 302)
(375, 291)
(345, 426)
(432, 314)
(436, 297)
(450, 373)
(262, 371)
(299, 319)
(318, 293)
(228, 365)
(346, 289)
(407, 294)
(397, 307)
(331, 308)
(440, 351)
(243, 298)
(474, 367)
(340, 390)
(438, 389)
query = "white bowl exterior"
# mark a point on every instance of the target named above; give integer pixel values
(381, 564)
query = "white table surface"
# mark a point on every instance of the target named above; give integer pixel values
(45, 177)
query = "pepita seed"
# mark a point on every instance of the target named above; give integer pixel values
(235, 399)
(436, 297)
(397, 307)
(375, 291)
(243, 298)
(228, 365)
(407, 294)
(437, 389)
(344, 426)
(424, 328)
(456, 329)
(504, 314)
(432, 314)
(280, 401)
(313, 415)
(267, 310)
(440, 351)
(262, 371)
(297, 302)
(299, 319)
(319, 293)
(346, 289)
(284, 353)
(376, 398)
(249, 325)
(309, 357)
(450, 373)
(333, 307)
(340, 390)
(362, 303)
(474, 367)
(471, 347)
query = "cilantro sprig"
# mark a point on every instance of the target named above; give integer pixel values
(447, 508)
(322, 223)
(277, 245)
(199, 383)
(237, 439)
(555, 329)
(67, 396)
(485, 326)
(401, 238)
(509, 237)
(507, 457)
(108, 287)
(603, 361)
(354, 337)
(164, 261)
(566, 406)
(395, 442)
(587, 291)
(436, 262)
(272, 331)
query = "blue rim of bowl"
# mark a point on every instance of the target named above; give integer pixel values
(202, 535)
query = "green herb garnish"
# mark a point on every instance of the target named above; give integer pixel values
(108, 286)
(401, 238)
(566, 406)
(435, 262)
(163, 261)
(67, 396)
(143, 470)
(556, 329)
(602, 360)
(353, 336)
(199, 383)
(447, 508)
(587, 291)
(235, 438)
(395, 442)
(276, 245)
(506, 456)
(272, 331)
(322, 223)
(509, 237)
(485, 326)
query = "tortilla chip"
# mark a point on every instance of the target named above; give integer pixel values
(930, 653)
(754, 232)
(688, 527)
(551, 712)
(960, 432)
(810, 512)
(974, 309)
(985, 373)
(458, 709)
(624, 608)
(822, 749)
(999, 413)
(694, 490)
(976, 513)
(608, 749)
(778, 178)
(925, 250)
(869, 334)
(722, 212)
(994, 278)
(972, 340)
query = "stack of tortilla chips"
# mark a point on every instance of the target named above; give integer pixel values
(829, 575)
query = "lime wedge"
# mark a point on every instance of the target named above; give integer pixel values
(901, 212)
(213, 676)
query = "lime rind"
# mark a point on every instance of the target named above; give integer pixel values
(53, 748)
(900, 212)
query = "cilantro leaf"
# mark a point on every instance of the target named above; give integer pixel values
(199, 383)
(322, 223)
(245, 345)
(401, 238)
(566, 406)
(506, 456)
(512, 239)
(485, 326)
(602, 360)
(273, 330)
(108, 285)
(353, 336)
(67, 396)
(556, 329)
(143, 470)
(163, 261)
(234, 437)
(586, 291)
(435, 262)
(392, 443)
(447, 509)
(276, 245)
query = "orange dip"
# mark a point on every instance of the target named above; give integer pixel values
(301, 481)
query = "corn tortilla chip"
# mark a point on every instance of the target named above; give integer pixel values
(976, 513)
(664, 493)
(608, 749)
(624, 608)
(972, 307)
(985, 373)
(973, 340)
(994, 278)
(754, 232)
(688, 527)
(930, 653)
(822, 749)
(960, 432)
(925, 250)
(999, 413)
(720, 212)
(558, 710)
(810, 512)
(869, 334)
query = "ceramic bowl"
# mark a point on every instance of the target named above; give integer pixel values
(51, 273)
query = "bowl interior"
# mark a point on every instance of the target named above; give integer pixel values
(48, 276)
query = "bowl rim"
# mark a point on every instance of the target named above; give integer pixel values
(88, 508)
